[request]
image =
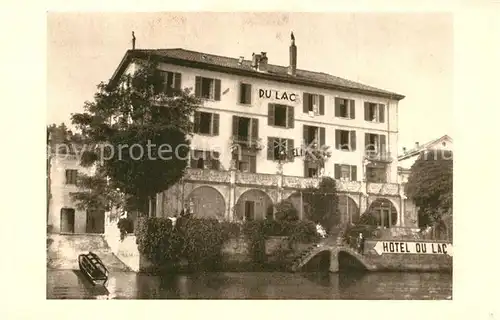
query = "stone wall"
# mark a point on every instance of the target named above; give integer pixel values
(407, 261)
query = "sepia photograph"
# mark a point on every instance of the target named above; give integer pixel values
(241, 155)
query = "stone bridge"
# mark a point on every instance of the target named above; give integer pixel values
(334, 250)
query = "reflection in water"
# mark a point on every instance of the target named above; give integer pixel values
(67, 284)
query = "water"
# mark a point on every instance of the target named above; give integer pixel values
(68, 284)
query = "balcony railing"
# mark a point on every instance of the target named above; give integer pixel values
(208, 175)
(269, 180)
(247, 142)
(256, 179)
(378, 156)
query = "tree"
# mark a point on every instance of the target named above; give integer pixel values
(323, 203)
(137, 132)
(430, 186)
(60, 139)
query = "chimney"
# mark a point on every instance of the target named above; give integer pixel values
(133, 40)
(417, 145)
(292, 68)
(263, 62)
(404, 150)
(240, 61)
(255, 61)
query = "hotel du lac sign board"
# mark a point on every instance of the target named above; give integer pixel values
(403, 247)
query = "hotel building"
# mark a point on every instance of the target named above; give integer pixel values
(262, 109)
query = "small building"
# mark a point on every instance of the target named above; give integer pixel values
(408, 157)
(63, 216)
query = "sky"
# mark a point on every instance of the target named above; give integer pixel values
(406, 53)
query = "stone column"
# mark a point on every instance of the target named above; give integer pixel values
(232, 187)
(334, 261)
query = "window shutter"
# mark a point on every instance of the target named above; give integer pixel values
(248, 93)
(353, 140)
(367, 140)
(382, 144)
(381, 112)
(291, 117)
(321, 137)
(235, 125)
(352, 106)
(306, 168)
(354, 172)
(197, 88)
(290, 146)
(196, 128)
(270, 114)
(253, 164)
(337, 171)
(177, 81)
(337, 107)
(255, 127)
(215, 124)
(367, 112)
(270, 148)
(322, 105)
(305, 102)
(305, 131)
(337, 139)
(215, 161)
(217, 90)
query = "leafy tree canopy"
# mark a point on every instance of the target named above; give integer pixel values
(430, 186)
(137, 131)
(323, 203)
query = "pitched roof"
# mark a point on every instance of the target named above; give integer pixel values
(232, 65)
(412, 152)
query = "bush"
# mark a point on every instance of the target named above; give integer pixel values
(202, 242)
(125, 225)
(286, 211)
(199, 241)
(158, 241)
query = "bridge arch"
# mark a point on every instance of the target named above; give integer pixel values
(206, 202)
(253, 204)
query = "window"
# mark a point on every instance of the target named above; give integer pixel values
(313, 134)
(314, 104)
(345, 172)
(376, 174)
(374, 112)
(345, 140)
(344, 108)
(245, 93)
(201, 159)
(206, 123)
(245, 130)
(208, 88)
(280, 115)
(375, 144)
(280, 149)
(245, 162)
(169, 81)
(71, 176)
(249, 210)
(312, 169)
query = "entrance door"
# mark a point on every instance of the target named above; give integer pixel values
(95, 222)
(68, 220)
(385, 217)
(249, 210)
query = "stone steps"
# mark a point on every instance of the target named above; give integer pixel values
(63, 251)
